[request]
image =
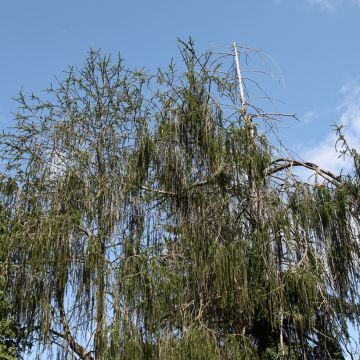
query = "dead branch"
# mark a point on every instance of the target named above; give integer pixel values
(238, 72)
(288, 163)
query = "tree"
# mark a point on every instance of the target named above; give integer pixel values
(10, 334)
(154, 220)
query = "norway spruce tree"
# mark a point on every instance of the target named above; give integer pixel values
(154, 219)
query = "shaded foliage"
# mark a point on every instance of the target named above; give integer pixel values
(11, 336)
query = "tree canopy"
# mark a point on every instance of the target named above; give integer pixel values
(154, 217)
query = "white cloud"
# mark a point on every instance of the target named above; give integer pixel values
(350, 106)
(309, 116)
(57, 164)
(324, 154)
(332, 5)
(313, 115)
(327, 5)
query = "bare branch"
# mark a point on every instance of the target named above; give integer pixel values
(288, 163)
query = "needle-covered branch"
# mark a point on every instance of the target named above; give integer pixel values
(150, 217)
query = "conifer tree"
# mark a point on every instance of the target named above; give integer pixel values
(154, 219)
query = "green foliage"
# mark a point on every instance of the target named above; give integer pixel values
(153, 219)
(9, 331)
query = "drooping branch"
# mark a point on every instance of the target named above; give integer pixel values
(74, 345)
(77, 348)
(288, 163)
(158, 191)
(200, 183)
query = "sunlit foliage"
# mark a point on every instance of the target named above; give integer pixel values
(154, 220)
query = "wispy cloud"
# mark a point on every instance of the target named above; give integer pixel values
(314, 114)
(326, 5)
(332, 5)
(324, 154)
(309, 117)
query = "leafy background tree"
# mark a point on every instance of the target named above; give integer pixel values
(10, 333)
(8, 330)
(154, 219)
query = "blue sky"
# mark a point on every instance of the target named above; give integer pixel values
(315, 43)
